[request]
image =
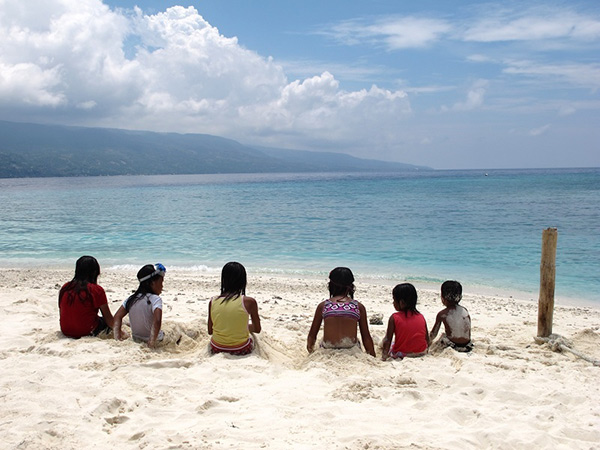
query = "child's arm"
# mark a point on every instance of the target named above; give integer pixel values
(209, 323)
(107, 315)
(118, 320)
(252, 308)
(427, 338)
(436, 326)
(314, 328)
(387, 340)
(363, 325)
(156, 323)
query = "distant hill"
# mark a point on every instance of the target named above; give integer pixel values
(33, 150)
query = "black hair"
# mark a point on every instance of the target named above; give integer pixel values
(87, 271)
(233, 280)
(144, 287)
(341, 282)
(405, 297)
(452, 291)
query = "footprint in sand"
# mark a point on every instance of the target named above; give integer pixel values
(137, 436)
(463, 416)
(209, 404)
(356, 392)
(171, 364)
(112, 411)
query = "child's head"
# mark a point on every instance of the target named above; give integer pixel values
(341, 282)
(151, 278)
(151, 282)
(233, 280)
(451, 292)
(87, 269)
(405, 298)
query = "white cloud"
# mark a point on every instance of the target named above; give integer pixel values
(539, 131)
(305, 68)
(29, 85)
(320, 111)
(533, 24)
(395, 32)
(474, 98)
(66, 57)
(481, 59)
(566, 110)
(427, 89)
(487, 24)
(582, 75)
(60, 54)
(410, 32)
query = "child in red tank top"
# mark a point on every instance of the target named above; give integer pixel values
(406, 326)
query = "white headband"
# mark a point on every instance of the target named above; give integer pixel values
(159, 270)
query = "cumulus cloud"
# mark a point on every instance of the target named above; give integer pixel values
(69, 59)
(56, 55)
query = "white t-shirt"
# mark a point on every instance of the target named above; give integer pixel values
(141, 316)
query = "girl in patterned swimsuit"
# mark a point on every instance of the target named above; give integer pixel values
(341, 315)
(229, 314)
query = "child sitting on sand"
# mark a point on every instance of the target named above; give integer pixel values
(229, 314)
(144, 307)
(407, 326)
(80, 299)
(341, 315)
(456, 319)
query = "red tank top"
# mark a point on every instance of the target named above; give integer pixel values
(410, 332)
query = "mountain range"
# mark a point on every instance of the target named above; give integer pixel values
(35, 150)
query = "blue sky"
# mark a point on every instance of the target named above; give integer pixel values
(466, 84)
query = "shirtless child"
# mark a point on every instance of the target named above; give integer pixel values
(456, 320)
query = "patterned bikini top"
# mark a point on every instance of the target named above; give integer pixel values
(341, 309)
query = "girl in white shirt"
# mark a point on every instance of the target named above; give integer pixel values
(144, 307)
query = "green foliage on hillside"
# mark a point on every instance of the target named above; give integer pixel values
(33, 150)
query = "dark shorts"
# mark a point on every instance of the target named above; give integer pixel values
(102, 327)
(463, 348)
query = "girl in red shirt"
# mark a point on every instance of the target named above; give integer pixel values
(80, 299)
(407, 326)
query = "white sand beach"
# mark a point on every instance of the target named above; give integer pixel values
(99, 393)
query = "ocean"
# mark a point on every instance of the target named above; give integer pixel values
(483, 228)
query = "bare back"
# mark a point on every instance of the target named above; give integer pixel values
(339, 332)
(457, 324)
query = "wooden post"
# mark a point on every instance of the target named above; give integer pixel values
(547, 282)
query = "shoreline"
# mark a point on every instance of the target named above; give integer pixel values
(201, 270)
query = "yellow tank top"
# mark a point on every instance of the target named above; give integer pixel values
(230, 321)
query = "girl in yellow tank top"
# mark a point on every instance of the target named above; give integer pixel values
(232, 316)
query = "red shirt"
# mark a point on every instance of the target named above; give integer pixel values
(80, 317)
(410, 332)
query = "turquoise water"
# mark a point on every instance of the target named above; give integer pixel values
(484, 230)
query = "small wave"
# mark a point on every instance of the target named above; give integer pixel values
(193, 268)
